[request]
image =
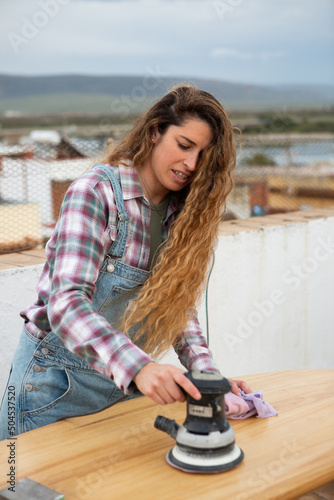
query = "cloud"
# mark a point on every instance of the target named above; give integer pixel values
(257, 41)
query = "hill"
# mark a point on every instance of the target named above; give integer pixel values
(130, 94)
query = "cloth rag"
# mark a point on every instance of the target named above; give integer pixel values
(247, 405)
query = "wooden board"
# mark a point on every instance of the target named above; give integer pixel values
(118, 454)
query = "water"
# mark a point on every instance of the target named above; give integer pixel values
(295, 154)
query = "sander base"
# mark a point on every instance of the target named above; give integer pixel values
(204, 463)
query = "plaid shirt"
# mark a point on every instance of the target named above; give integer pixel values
(75, 253)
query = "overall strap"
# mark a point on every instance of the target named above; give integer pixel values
(118, 246)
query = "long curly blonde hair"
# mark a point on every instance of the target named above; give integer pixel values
(172, 293)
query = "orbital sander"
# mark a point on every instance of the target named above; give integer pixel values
(205, 443)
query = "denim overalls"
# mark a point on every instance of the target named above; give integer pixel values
(49, 381)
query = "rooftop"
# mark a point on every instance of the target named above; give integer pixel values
(36, 255)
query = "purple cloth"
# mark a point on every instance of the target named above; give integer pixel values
(247, 405)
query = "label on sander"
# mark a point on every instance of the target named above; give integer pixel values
(201, 411)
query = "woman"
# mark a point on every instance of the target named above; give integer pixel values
(126, 266)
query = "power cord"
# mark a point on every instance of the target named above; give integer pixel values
(207, 301)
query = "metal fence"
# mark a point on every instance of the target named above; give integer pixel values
(274, 174)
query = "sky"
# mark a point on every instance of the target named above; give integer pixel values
(267, 42)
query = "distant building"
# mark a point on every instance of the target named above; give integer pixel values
(67, 150)
(16, 152)
(44, 137)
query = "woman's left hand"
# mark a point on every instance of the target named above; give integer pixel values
(239, 383)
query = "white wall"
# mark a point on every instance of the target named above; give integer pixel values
(17, 290)
(270, 300)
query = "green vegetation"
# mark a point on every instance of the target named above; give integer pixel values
(65, 110)
(258, 159)
(71, 104)
(286, 121)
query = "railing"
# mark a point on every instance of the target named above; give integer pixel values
(274, 174)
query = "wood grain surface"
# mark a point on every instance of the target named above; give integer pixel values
(118, 454)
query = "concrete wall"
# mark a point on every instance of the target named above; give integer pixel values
(270, 296)
(17, 290)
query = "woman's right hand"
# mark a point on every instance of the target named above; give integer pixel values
(163, 383)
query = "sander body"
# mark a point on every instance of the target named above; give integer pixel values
(205, 443)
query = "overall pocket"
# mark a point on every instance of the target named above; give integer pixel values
(44, 385)
(73, 392)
